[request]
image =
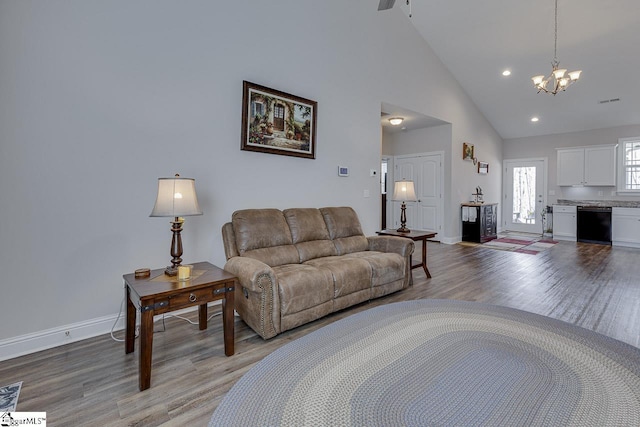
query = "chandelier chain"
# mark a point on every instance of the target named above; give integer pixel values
(555, 42)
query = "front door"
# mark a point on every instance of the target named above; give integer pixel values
(524, 195)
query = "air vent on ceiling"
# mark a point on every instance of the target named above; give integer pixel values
(606, 101)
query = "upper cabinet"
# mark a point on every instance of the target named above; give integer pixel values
(594, 165)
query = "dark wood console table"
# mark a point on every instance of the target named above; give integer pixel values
(160, 293)
(479, 222)
(415, 235)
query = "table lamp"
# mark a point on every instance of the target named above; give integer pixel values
(176, 198)
(404, 191)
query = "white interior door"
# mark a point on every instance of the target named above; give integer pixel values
(525, 189)
(425, 170)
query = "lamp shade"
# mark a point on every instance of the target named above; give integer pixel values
(176, 198)
(404, 191)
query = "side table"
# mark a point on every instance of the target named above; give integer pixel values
(160, 293)
(415, 235)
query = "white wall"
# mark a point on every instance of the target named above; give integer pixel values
(545, 146)
(100, 98)
(430, 139)
(461, 176)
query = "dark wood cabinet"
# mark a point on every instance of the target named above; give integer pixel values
(479, 222)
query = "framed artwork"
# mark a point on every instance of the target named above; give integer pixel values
(276, 122)
(483, 168)
(467, 151)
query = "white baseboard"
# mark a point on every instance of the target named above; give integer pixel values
(50, 338)
(451, 240)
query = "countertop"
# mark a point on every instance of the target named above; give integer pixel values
(601, 203)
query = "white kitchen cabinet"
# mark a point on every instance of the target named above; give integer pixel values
(565, 223)
(590, 166)
(625, 227)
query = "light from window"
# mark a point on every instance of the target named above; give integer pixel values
(631, 164)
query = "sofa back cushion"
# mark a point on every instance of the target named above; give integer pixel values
(263, 234)
(309, 233)
(344, 229)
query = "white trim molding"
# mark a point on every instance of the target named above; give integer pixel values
(67, 334)
(49, 338)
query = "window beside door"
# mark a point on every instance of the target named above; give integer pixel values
(524, 195)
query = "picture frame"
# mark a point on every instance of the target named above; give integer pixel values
(277, 122)
(467, 151)
(483, 168)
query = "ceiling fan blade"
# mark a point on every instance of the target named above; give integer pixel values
(386, 4)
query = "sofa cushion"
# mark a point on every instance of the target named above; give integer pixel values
(309, 233)
(306, 224)
(302, 286)
(347, 245)
(385, 267)
(341, 222)
(349, 274)
(276, 255)
(344, 229)
(260, 228)
(315, 249)
(264, 234)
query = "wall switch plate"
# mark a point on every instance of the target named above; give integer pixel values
(343, 171)
(552, 192)
(366, 193)
(373, 172)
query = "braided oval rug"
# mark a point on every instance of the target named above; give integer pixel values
(441, 363)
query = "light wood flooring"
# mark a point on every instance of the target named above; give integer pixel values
(94, 383)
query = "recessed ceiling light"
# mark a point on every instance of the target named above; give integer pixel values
(396, 120)
(506, 73)
(534, 119)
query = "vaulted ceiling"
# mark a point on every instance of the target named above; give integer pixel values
(478, 40)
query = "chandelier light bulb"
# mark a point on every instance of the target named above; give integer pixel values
(537, 80)
(558, 74)
(575, 75)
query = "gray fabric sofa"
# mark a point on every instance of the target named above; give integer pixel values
(298, 265)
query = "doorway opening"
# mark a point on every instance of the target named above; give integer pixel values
(525, 189)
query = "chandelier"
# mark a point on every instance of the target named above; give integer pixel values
(559, 78)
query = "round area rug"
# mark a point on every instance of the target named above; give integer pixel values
(443, 363)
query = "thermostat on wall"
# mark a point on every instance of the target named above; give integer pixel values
(343, 171)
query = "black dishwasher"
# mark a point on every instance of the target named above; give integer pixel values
(594, 224)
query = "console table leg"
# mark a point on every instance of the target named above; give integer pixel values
(146, 347)
(424, 258)
(227, 322)
(202, 316)
(130, 333)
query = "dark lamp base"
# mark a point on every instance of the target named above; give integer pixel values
(403, 229)
(171, 270)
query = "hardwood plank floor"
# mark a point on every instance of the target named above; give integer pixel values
(94, 382)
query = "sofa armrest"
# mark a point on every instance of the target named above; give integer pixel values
(399, 245)
(250, 273)
(257, 299)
